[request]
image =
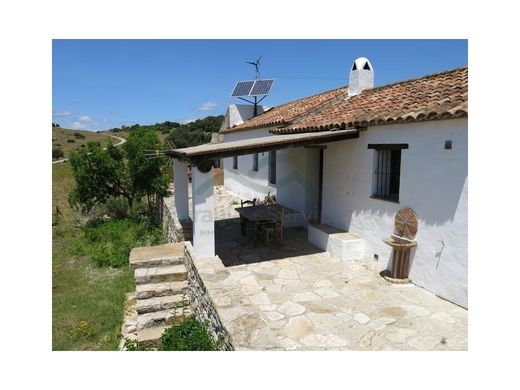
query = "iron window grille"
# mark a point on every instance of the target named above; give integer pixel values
(387, 171)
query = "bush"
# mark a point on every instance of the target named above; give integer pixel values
(188, 335)
(79, 135)
(108, 243)
(117, 208)
(57, 153)
(71, 141)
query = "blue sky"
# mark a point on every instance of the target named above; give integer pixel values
(101, 84)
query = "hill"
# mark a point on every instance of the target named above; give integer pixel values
(181, 135)
(68, 140)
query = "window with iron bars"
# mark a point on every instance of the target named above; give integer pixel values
(387, 171)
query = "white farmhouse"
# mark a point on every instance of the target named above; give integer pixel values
(349, 159)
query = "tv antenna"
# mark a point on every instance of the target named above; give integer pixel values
(256, 64)
(257, 89)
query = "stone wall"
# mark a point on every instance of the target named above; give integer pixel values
(171, 225)
(201, 302)
(199, 271)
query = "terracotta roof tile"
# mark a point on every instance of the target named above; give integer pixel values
(437, 96)
(287, 112)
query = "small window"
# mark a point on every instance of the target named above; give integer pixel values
(255, 162)
(366, 67)
(387, 173)
(272, 167)
(235, 162)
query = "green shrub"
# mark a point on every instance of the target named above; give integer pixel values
(57, 153)
(188, 335)
(117, 208)
(108, 243)
(79, 135)
(71, 141)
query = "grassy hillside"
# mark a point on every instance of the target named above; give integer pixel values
(88, 295)
(69, 140)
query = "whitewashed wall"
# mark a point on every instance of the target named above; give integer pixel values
(433, 183)
(297, 176)
(244, 181)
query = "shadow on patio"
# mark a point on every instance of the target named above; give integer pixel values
(234, 249)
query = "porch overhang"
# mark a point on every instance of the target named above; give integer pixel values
(211, 151)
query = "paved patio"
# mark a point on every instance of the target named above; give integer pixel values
(296, 297)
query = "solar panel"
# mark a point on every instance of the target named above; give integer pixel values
(243, 88)
(261, 87)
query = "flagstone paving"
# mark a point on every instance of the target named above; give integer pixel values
(327, 304)
(296, 297)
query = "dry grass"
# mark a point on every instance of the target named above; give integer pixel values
(61, 138)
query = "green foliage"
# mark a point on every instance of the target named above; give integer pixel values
(79, 135)
(57, 153)
(188, 335)
(189, 134)
(100, 175)
(125, 172)
(71, 141)
(146, 177)
(109, 243)
(195, 133)
(55, 124)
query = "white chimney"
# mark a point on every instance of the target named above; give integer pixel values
(361, 76)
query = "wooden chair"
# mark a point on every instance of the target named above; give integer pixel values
(273, 230)
(245, 225)
(248, 202)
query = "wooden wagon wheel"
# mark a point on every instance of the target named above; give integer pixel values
(406, 223)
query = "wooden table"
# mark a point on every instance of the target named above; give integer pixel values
(257, 215)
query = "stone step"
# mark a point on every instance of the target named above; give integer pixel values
(151, 337)
(159, 255)
(152, 290)
(161, 318)
(159, 303)
(170, 273)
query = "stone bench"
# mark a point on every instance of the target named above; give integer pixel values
(341, 244)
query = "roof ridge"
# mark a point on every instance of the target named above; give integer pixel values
(426, 76)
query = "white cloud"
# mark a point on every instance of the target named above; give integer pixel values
(83, 122)
(207, 106)
(62, 113)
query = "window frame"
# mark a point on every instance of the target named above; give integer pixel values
(255, 162)
(386, 173)
(235, 162)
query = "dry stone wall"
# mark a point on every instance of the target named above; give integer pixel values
(199, 271)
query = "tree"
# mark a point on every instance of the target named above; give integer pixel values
(118, 172)
(100, 175)
(145, 173)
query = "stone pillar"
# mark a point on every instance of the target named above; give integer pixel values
(203, 212)
(180, 182)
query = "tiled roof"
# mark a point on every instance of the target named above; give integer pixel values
(287, 112)
(438, 96)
